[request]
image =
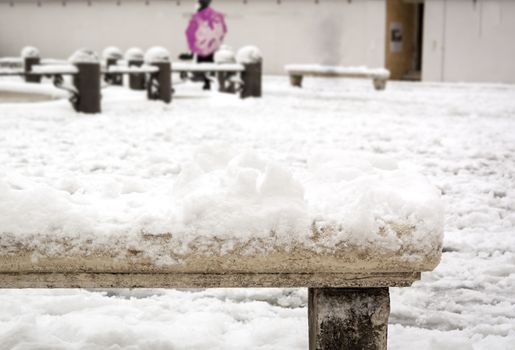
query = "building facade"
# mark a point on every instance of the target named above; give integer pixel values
(435, 40)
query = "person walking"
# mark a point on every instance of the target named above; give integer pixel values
(205, 34)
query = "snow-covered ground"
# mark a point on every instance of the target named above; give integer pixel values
(462, 137)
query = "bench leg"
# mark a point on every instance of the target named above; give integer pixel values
(348, 319)
(379, 84)
(296, 80)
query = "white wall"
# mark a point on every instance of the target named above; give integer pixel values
(464, 41)
(295, 31)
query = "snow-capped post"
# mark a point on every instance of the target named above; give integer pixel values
(348, 318)
(112, 55)
(31, 58)
(87, 81)
(250, 57)
(135, 58)
(159, 86)
(225, 55)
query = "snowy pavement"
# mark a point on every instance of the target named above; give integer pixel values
(461, 136)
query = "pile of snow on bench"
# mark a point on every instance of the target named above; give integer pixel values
(341, 205)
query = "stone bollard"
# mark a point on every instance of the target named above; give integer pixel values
(250, 57)
(159, 86)
(225, 55)
(112, 55)
(135, 58)
(86, 81)
(31, 58)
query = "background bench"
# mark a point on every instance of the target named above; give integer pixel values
(297, 72)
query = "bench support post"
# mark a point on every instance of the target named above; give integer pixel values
(348, 319)
(87, 84)
(296, 80)
(379, 84)
(159, 86)
(251, 78)
(28, 62)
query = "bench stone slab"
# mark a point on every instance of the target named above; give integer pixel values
(297, 72)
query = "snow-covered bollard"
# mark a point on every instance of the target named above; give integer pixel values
(111, 56)
(225, 55)
(87, 81)
(159, 86)
(31, 57)
(135, 58)
(251, 58)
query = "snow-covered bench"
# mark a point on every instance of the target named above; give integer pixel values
(347, 234)
(297, 72)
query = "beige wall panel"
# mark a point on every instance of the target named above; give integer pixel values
(295, 31)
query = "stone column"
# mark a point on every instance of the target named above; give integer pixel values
(250, 57)
(135, 58)
(159, 85)
(348, 319)
(86, 82)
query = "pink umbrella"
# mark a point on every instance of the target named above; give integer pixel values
(206, 31)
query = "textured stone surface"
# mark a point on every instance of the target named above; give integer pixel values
(164, 254)
(195, 280)
(348, 319)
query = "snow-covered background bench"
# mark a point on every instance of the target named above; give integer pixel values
(297, 72)
(346, 226)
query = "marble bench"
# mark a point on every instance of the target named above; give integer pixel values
(348, 285)
(297, 72)
(345, 228)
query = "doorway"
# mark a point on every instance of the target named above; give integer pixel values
(404, 38)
